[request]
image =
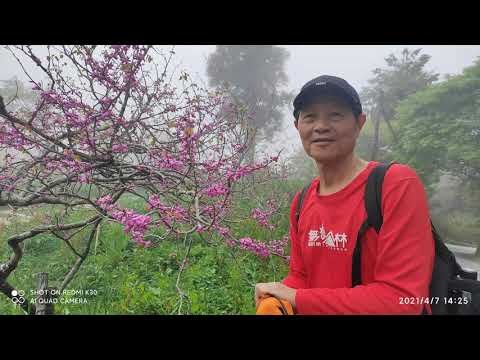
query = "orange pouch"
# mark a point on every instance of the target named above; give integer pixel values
(271, 305)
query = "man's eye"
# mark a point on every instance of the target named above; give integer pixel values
(336, 115)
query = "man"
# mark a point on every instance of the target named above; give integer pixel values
(396, 264)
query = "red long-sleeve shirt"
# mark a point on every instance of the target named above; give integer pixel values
(397, 263)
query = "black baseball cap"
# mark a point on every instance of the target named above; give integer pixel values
(323, 85)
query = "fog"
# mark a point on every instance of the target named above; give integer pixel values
(352, 62)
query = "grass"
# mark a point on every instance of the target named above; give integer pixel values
(127, 279)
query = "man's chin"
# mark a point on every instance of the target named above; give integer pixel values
(323, 158)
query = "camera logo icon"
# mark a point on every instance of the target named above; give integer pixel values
(18, 297)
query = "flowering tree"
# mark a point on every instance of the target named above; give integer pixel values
(108, 123)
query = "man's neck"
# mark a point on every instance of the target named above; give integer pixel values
(334, 176)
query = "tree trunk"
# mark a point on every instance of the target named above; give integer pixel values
(44, 305)
(384, 117)
(390, 127)
(376, 139)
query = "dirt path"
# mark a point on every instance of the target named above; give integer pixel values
(466, 257)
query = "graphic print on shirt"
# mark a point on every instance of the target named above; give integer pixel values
(337, 242)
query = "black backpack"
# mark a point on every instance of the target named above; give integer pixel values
(452, 289)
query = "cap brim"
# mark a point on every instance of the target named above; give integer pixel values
(308, 95)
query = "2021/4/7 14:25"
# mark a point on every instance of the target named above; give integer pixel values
(434, 300)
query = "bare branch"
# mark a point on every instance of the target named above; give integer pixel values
(182, 267)
(14, 243)
(81, 258)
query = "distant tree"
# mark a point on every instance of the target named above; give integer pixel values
(439, 128)
(439, 133)
(19, 98)
(16, 95)
(301, 166)
(254, 76)
(404, 75)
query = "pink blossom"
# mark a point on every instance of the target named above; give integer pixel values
(120, 148)
(167, 213)
(85, 178)
(278, 246)
(135, 224)
(13, 138)
(239, 147)
(263, 249)
(216, 190)
(104, 200)
(256, 247)
(262, 217)
(169, 162)
(7, 182)
(223, 231)
(154, 202)
(240, 172)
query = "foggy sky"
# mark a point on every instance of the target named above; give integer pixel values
(352, 62)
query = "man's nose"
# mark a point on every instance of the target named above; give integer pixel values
(321, 125)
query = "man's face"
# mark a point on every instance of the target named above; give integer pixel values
(328, 129)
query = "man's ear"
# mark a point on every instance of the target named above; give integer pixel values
(361, 119)
(296, 123)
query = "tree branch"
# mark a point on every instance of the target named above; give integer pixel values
(14, 243)
(7, 290)
(81, 258)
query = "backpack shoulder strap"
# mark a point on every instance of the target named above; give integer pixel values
(373, 196)
(373, 207)
(300, 201)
